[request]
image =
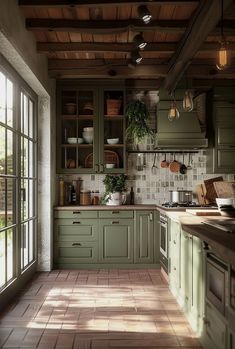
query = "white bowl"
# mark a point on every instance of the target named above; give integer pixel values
(225, 202)
(88, 129)
(80, 140)
(87, 138)
(112, 140)
(72, 140)
(110, 165)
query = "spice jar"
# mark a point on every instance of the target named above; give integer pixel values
(85, 197)
(96, 198)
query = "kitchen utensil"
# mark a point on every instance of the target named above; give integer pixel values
(210, 189)
(112, 140)
(181, 196)
(144, 161)
(183, 167)
(174, 166)
(164, 163)
(224, 189)
(154, 163)
(189, 167)
(139, 163)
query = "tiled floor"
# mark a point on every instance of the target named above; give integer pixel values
(96, 309)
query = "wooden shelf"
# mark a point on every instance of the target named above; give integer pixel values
(113, 145)
(83, 145)
(113, 117)
(78, 117)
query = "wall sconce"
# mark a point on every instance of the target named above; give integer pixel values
(139, 41)
(188, 101)
(144, 14)
(136, 57)
(222, 59)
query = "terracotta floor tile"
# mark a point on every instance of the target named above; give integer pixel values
(94, 309)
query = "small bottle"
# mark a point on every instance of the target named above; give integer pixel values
(61, 192)
(132, 197)
(71, 195)
(96, 198)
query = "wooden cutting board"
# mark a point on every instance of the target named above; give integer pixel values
(225, 189)
(201, 194)
(204, 212)
(211, 194)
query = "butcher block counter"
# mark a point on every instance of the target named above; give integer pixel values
(220, 240)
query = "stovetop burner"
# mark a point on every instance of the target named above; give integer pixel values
(183, 204)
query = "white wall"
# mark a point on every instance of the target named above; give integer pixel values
(18, 46)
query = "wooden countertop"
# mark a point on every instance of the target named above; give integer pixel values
(221, 242)
(106, 207)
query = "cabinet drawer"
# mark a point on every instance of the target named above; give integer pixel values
(76, 229)
(116, 214)
(76, 214)
(75, 253)
(216, 329)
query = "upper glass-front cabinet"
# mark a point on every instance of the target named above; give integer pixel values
(91, 127)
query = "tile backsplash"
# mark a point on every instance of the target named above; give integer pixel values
(152, 185)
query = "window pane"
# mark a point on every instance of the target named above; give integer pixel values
(22, 112)
(24, 245)
(2, 150)
(31, 240)
(2, 259)
(31, 133)
(2, 203)
(2, 98)
(26, 157)
(10, 201)
(9, 103)
(9, 254)
(24, 199)
(25, 115)
(9, 152)
(31, 198)
(31, 159)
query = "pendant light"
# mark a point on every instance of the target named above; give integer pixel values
(188, 101)
(222, 59)
(144, 14)
(173, 113)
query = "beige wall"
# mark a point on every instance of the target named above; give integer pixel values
(18, 46)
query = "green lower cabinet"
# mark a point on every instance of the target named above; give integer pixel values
(174, 257)
(116, 239)
(185, 291)
(71, 254)
(215, 333)
(143, 237)
(231, 340)
(76, 230)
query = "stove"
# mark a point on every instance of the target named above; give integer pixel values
(183, 204)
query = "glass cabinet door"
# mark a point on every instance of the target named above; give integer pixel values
(78, 136)
(112, 132)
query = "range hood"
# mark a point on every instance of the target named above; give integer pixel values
(187, 132)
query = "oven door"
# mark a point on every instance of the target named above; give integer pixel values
(163, 238)
(216, 283)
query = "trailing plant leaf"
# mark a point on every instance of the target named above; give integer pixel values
(113, 184)
(137, 115)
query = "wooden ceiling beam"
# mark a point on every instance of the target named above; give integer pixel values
(202, 23)
(118, 26)
(96, 3)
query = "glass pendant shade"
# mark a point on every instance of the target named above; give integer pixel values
(188, 101)
(222, 58)
(173, 113)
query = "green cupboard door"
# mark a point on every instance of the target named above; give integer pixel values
(143, 237)
(156, 237)
(186, 271)
(174, 256)
(197, 285)
(116, 241)
(231, 340)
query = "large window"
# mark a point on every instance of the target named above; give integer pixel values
(18, 177)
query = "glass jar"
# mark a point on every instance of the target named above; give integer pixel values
(85, 197)
(96, 198)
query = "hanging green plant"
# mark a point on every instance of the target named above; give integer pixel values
(137, 115)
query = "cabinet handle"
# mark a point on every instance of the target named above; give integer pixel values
(174, 242)
(115, 222)
(151, 217)
(206, 322)
(76, 212)
(101, 168)
(115, 212)
(76, 244)
(174, 268)
(96, 168)
(76, 222)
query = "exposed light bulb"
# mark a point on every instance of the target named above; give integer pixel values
(173, 113)
(222, 57)
(188, 101)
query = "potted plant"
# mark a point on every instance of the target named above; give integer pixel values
(137, 115)
(114, 188)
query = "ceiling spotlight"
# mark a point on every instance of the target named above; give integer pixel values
(139, 41)
(144, 14)
(136, 57)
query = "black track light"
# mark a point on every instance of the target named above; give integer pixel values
(136, 57)
(144, 14)
(139, 41)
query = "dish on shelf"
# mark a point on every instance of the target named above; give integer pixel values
(110, 157)
(71, 163)
(88, 138)
(110, 165)
(70, 108)
(72, 140)
(112, 140)
(88, 108)
(80, 140)
(88, 129)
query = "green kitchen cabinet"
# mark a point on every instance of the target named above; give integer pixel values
(116, 240)
(231, 340)
(156, 238)
(185, 291)
(174, 256)
(143, 237)
(71, 254)
(82, 105)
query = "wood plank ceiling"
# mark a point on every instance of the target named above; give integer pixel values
(95, 38)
